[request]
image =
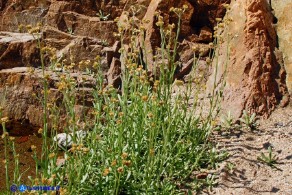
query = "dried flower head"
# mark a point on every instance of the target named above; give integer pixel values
(114, 163)
(124, 155)
(145, 98)
(5, 134)
(33, 147)
(178, 82)
(52, 155)
(120, 170)
(105, 172)
(126, 162)
(4, 120)
(11, 138)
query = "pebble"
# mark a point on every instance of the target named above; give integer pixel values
(65, 140)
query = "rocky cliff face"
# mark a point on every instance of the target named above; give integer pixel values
(284, 26)
(256, 78)
(255, 73)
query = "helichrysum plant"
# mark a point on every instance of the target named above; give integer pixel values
(142, 139)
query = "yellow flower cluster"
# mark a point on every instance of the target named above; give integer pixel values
(83, 64)
(30, 29)
(160, 22)
(179, 11)
(4, 120)
(79, 148)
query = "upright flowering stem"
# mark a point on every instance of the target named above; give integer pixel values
(16, 162)
(44, 156)
(5, 135)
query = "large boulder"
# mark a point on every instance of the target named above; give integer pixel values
(282, 10)
(18, 50)
(255, 80)
(20, 90)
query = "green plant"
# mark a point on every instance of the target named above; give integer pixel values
(230, 167)
(212, 157)
(227, 121)
(269, 159)
(104, 42)
(70, 31)
(5, 137)
(198, 184)
(249, 120)
(141, 138)
(211, 181)
(102, 15)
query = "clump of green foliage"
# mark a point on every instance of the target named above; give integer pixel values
(249, 120)
(103, 16)
(269, 159)
(142, 138)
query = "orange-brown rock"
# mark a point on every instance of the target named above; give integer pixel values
(255, 80)
(81, 30)
(20, 90)
(283, 23)
(18, 50)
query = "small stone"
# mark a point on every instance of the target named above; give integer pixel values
(202, 175)
(279, 124)
(206, 34)
(65, 140)
(60, 162)
(22, 139)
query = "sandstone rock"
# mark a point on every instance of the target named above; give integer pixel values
(78, 20)
(112, 52)
(255, 81)
(20, 12)
(185, 69)
(187, 50)
(282, 10)
(206, 12)
(18, 50)
(206, 34)
(79, 33)
(18, 85)
(113, 74)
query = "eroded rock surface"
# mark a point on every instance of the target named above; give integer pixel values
(255, 79)
(18, 50)
(21, 89)
(282, 10)
(81, 30)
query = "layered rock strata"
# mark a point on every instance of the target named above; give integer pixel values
(81, 30)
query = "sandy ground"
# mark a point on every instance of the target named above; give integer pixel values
(249, 175)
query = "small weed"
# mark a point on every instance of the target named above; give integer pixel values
(104, 42)
(269, 159)
(210, 182)
(198, 184)
(230, 167)
(214, 157)
(102, 15)
(249, 121)
(227, 121)
(70, 31)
